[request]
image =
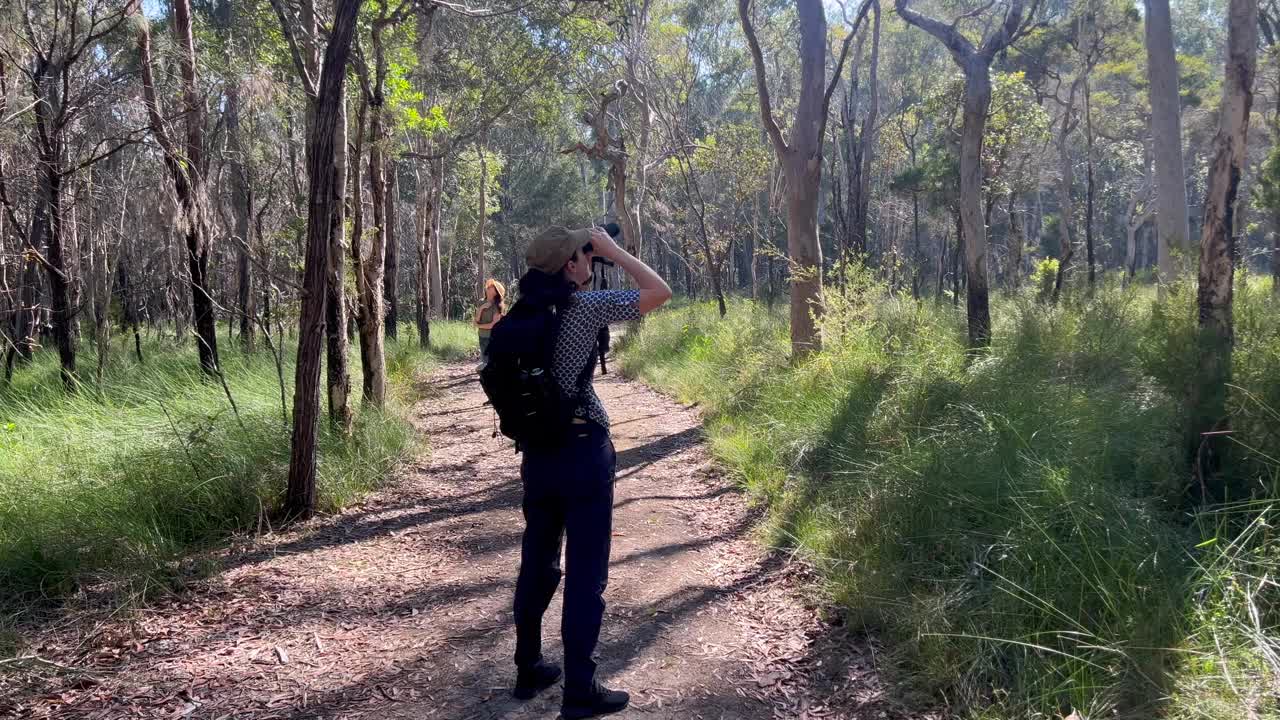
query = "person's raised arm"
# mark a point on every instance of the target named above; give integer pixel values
(654, 291)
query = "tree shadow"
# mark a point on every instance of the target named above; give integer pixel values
(497, 496)
(721, 491)
(637, 458)
(479, 688)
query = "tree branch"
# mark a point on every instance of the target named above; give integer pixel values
(286, 26)
(835, 78)
(960, 47)
(1007, 32)
(762, 82)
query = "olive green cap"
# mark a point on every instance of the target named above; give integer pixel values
(554, 247)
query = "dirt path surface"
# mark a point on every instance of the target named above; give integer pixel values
(401, 607)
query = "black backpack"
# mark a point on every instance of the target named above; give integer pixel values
(532, 409)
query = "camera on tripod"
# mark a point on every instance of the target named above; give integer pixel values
(614, 230)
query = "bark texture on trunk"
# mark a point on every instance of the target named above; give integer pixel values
(241, 192)
(1166, 129)
(482, 243)
(422, 248)
(369, 267)
(1217, 250)
(1066, 205)
(860, 182)
(433, 228)
(391, 278)
(1016, 242)
(337, 372)
(324, 196)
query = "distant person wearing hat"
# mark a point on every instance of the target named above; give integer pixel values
(489, 313)
(568, 489)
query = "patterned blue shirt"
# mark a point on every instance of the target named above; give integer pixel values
(581, 322)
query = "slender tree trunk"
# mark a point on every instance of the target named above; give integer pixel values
(437, 276)
(1166, 129)
(422, 246)
(482, 243)
(1066, 206)
(337, 373)
(51, 185)
(1016, 242)
(1217, 250)
(391, 278)
(955, 260)
(942, 268)
(1275, 256)
(187, 167)
(199, 240)
(752, 241)
(1089, 187)
(976, 64)
(977, 99)
(324, 197)
(241, 198)
(370, 268)
(866, 139)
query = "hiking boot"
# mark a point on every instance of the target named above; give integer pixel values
(599, 701)
(533, 680)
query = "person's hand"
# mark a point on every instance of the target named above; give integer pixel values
(602, 244)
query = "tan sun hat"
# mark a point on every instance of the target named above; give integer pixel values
(554, 247)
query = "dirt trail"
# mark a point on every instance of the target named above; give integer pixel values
(400, 608)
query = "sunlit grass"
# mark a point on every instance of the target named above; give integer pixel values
(1021, 524)
(114, 483)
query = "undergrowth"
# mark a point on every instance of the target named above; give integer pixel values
(1021, 525)
(112, 485)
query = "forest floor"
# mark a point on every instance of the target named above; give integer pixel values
(400, 607)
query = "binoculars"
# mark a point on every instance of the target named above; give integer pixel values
(614, 230)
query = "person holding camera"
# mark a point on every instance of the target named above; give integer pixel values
(568, 486)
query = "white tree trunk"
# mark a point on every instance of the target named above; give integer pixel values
(1166, 130)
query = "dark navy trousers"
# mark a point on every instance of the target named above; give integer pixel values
(568, 497)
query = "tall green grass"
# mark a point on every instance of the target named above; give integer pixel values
(1018, 522)
(111, 485)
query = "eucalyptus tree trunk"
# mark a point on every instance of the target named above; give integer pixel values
(1016, 242)
(391, 276)
(337, 372)
(1217, 250)
(482, 243)
(304, 44)
(1090, 188)
(433, 228)
(187, 166)
(801, 158)
(975, 62)
(50, 152)
(1166, 130)
(422, 248)
(1066, 205)
(324, 197)
(369, 267)
(860, 181)
(241, 192)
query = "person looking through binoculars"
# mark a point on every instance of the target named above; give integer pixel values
(539, 380)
